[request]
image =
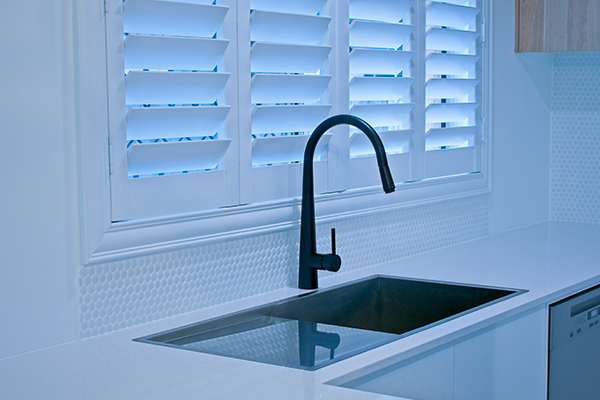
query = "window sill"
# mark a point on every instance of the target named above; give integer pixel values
(143, 237)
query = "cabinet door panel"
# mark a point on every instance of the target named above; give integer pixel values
(506, 362)
(428, 376)
(530, 26)
(558, 25)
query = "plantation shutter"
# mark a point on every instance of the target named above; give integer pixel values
(289, 85)
(380, 85)
(453, 94)
(174, 92)
(211, 103)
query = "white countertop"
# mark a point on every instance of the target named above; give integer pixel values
(551, 260)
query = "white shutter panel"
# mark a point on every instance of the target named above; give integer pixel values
(380, 85)
(453, 100)
(200, 123)
(289, 85)
(174, 99)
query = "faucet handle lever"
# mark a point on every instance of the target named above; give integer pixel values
(331, 262)
(333, 241)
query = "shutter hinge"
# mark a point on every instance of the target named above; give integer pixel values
(482, 30)
(105, 6)
(110, 164)
(482, 129)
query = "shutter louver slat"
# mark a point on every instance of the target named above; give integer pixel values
(451, 16)
(379, 88)
(437, 139)
(309, 7)
(451, 89)
(465, 3)
(172, 18)
(458, 65)
(378, 34)
(150, 87)
(287, 118)
(288, 58)
(384, 115)
(154, 158)
(175, 53)
(204, 2)
(284, 149)
(278, 150)
(174, 122)
(394, 142)
(451, 40)
(287, 28)
(285, 88)
(450, 112)
(378, 61)
(380, 10)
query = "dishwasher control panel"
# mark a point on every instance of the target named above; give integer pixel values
(575, 317)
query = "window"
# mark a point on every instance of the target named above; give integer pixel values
(210, 104)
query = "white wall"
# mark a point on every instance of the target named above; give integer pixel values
(38, 195)
(39, 214)
(521, 105)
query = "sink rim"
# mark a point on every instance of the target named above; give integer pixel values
(252, 314)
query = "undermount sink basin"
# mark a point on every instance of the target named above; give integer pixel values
(318, 328)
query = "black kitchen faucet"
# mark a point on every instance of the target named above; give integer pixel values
(310, 260)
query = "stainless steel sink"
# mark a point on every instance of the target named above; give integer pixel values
(318, 328)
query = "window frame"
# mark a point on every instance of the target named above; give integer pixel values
(103, 240)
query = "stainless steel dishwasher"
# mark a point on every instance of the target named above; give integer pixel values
(574, 347)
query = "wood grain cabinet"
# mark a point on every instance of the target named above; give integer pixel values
(557, 25)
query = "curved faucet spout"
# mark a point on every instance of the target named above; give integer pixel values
(310, 260)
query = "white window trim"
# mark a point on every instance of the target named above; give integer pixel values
(103, 240)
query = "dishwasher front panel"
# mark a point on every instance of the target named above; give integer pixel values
(574, 347)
